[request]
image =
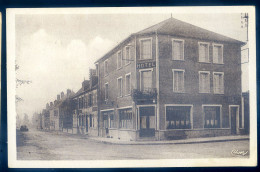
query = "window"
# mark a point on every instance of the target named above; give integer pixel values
(120, 87)
(105, 67)
(126, 118)
(146, 80)
(106, 91)
(177, 49)
(178, 80)
(128, 84)
(218, 82)
(146, 49)
(90, 100)
(204, 52)
(178, 117)
(204, 82)
(108, 119)
(211, 116)
(127, 55)
(91, 120)
(217, 53)
(119, 60)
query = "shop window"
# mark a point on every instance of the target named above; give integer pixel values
(126, 118)
(109, 120)
(211, 116)
(178, 117)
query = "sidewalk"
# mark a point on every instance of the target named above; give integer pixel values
(184, 141)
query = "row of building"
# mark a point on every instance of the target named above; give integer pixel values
(171, 80)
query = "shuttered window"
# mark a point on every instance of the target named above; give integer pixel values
(218, 54)
(218, 82)
(204, 82)
(203, 52)
(146, 49)
(178, 80)
(177, 49)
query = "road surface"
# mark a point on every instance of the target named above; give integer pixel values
(40, 145)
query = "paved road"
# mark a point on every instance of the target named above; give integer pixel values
(39, 145)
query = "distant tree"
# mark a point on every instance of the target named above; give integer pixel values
(19, 82)
(26, 119)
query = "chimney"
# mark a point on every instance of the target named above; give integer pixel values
(58, 97)
(55, 102)
(85, 84)
(47, 106)
(51, 104)
(62, 95)
(68, 92)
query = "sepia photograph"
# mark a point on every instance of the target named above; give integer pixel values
(131, 87)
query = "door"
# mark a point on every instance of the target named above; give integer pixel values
(86, 123)
(234, 119)
(147, 121)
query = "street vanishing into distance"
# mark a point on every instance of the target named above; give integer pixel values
(40, 145)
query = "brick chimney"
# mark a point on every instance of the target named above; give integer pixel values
(68, 92)
(62, 95)
(58, 97)
(47, 106)
(55, 102)
(51, 104)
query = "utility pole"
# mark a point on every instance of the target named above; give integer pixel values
(244, 23)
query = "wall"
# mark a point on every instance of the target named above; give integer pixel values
(232, 78)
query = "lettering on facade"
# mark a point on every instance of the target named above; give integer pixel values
(144, 65)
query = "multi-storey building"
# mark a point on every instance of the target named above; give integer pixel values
(170, 80)
(85, 116)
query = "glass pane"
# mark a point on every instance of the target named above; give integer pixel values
(145, 49)
(143, 122)
(152, 121)
(146, 80)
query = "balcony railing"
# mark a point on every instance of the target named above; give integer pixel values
(145, 95)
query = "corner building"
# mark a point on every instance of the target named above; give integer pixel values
(172, 80)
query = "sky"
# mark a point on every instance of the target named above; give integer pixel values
(55, 51)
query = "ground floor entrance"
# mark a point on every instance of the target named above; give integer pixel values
(234, 114)
(147, 121)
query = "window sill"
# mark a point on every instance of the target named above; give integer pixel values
(178, 60)
(219, 93)
(178, 129)
(126, 129)
(127, 64)
(204, 92)
(204, 62)
(145, 59)
(119, 68)
(218, 63)
(179, 92)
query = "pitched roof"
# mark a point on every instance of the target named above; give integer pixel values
(177, 27)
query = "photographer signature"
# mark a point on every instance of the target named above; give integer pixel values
(239, 152)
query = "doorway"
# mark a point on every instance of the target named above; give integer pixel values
(147, 121)
(234, 114)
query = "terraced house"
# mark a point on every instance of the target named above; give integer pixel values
(170, 80)
(85, 116)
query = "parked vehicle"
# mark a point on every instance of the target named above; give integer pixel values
(24, 128)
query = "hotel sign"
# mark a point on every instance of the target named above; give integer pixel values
(144, 65)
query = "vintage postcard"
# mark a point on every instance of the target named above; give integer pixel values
(131, 87)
